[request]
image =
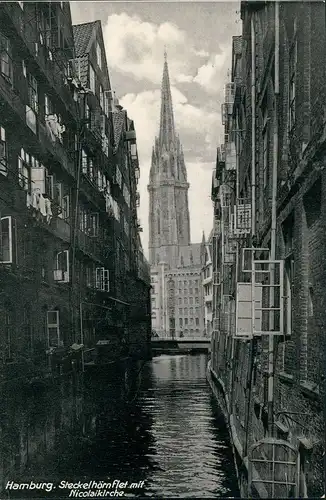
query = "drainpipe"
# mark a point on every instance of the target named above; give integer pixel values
(253, 126)
(252, 344)
(271, 346)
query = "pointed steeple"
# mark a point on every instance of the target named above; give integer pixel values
(167, 131)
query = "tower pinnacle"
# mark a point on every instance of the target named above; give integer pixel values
(167, 131)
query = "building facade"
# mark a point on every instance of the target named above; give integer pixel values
(268, 346)
(207, 283)
(177, 300)
(70, 246)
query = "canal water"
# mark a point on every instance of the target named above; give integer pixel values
(154, 424)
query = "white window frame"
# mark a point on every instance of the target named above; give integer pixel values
(12, 240)
(60, 275)
(92, 79)
(33, 96)
(102, 279)
(99, 55)
(102, 98)
(48, 106)
(93, 225)
(3, 152)
(42, 180)
(55, 325)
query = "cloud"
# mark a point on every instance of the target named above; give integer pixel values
(198, 130)
(136, 48)
(210, 73)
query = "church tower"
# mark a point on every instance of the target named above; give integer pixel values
(169, 223)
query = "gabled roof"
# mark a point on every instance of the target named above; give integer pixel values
(83, 37)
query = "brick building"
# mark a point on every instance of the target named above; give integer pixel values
(70, 247)
(268, 347)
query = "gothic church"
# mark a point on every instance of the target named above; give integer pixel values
(176, 264)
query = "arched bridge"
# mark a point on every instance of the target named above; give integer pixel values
(182, 345)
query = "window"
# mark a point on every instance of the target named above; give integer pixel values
(102, 100)
(180, 322)
(6, 67)
(53, 329)
(293, 59)
(197, 321)
(186, 310)
(196, 300)
(3, 152)
(191, 301)
(91, 78)
(90, 276)
(102, 279)
(191, 311)
(180, 311)
(25, 170)
(32, 93)
(61, 271)
(265, 145)
(48, 107)
(186, 321)
(99, 55)
(8, 240)
(196, 291)
(190, 290)
(186, 300)
(93, 225)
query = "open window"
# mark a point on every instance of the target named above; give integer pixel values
(8, 240)
(61, 271)
(43, 181)
(53, 328)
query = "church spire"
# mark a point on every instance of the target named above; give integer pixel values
(167, 131)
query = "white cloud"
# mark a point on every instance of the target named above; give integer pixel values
(136, 47)
(210, 73)
(198, 129)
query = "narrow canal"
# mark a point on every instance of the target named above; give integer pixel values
(161, 428)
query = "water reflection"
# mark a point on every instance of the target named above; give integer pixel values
(160, 427)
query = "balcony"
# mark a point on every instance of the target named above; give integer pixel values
(89, 188)
(28, 43)
(12, 100)
(61, 229)
(93, 247)
(55, 149)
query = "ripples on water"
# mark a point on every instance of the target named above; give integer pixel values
(166, 431)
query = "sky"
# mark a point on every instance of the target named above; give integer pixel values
(197, 37)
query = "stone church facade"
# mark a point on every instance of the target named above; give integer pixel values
(176, 264)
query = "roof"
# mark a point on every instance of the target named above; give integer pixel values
(82, 37)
